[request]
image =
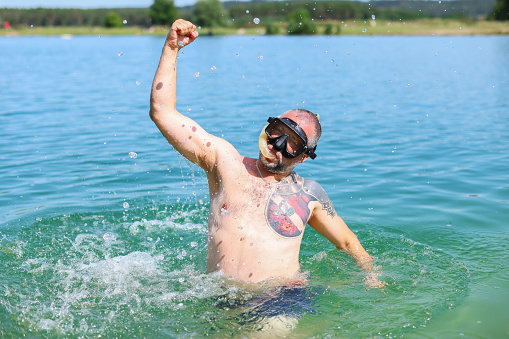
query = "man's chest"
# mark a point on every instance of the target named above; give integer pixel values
(283, 208)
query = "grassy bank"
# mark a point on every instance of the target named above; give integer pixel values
(357, 27)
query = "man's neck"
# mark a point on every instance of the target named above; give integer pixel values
(271, 177)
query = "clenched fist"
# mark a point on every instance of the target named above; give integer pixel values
(181, 34)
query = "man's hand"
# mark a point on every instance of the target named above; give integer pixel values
(371, 280)
(366, 263)
(181, 34)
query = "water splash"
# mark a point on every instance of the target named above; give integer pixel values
(102, 274)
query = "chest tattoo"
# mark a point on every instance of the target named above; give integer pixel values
(287, 210)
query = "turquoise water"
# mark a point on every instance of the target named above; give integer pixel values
(103, 225)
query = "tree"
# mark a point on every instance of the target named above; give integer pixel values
(209, 13)
(163, 12)
(501, 10)
(299, 22)
(113, 20)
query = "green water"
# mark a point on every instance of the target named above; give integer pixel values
(103, 225)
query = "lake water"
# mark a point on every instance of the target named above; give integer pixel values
(103, 224)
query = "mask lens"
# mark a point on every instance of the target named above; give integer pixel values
(276, 131)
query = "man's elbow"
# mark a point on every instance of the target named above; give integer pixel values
(153, 114)
(343, 246)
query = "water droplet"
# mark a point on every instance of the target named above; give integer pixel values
(120, 53)
(194, 244)
(125, 21)
(197, 74)
(256, 21)
(373, 17)
(247, 11)
(125, 205)
(223, 211)
(260, 57)
(137, 82)
(133, 155)
(181, 43)
(364, 30)
(213, 68)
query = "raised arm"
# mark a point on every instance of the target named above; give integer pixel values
(192, 141)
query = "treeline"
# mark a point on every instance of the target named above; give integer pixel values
(234, 13)
(445, 8)
(73, 17)
(318, 10)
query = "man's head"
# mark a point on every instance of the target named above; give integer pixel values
(289, 140)
(308, 121)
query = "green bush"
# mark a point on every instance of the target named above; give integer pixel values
(209, 13)
(501, 10)
(113, 20)
(299, 22)
(271, 29)
(163, 12)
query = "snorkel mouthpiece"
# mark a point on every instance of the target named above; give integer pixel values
(263, 145)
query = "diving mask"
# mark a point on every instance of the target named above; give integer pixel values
(287, 137)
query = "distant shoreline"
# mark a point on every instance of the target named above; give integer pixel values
(350, 27)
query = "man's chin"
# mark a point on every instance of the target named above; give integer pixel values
(274, 165)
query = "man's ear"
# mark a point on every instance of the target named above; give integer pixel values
(304, 158)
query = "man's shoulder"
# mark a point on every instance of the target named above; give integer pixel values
(312, 188)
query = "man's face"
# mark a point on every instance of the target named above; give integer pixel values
(281, 164)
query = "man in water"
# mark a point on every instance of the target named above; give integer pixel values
(258, 207)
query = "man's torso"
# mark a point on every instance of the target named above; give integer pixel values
(256, 228)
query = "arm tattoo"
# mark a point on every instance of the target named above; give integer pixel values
(313, 188)
(292, 200)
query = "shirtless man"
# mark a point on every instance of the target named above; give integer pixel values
(258, 207)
